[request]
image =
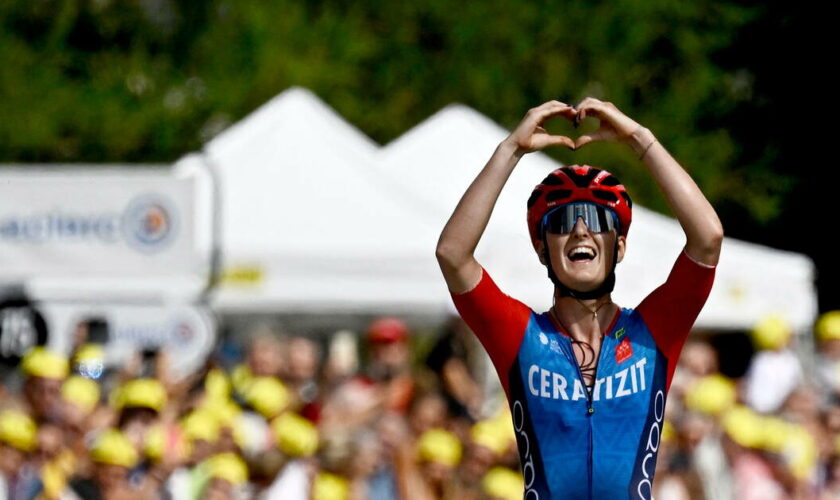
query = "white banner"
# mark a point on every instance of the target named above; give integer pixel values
(97, 223)
(186, 333)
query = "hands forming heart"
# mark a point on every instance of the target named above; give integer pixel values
(530, 135)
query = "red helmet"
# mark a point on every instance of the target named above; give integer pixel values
(578, 183)
(386, 330)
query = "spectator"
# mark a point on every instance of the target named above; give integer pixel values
(18, 439)
(44, 371)
(775, 370)
(449, 358)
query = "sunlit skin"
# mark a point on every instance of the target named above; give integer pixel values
(583, 275)
(570, 315)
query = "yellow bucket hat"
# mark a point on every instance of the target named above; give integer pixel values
(712, 395)
(113, 448)
(328, 486)
(201, 424)
(745, 427)
(828, 326)
(772, 332)
(81, 391)
(140, 393)
(18, 430)
(492, 434)
(268, 396)
(89, 360)
(228, 466)
(501, 482)
(439, 446)
(42, 362)
(295, 435)
(217, 385)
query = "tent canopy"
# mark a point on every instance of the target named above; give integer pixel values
(323, 219)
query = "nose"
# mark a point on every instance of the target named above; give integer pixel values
(580, 227)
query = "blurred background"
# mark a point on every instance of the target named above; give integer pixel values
(217, 223)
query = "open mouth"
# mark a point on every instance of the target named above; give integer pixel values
(579, 254)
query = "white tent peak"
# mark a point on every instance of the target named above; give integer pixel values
(297, 104)
(450, 119)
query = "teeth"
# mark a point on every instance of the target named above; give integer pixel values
(582, 251)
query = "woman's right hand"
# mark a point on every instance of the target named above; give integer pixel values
(530, 135)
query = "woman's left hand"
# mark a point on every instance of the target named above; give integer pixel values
(615, 125)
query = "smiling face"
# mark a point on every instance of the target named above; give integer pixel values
(581, 259)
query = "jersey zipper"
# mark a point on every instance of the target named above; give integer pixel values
(590, 411)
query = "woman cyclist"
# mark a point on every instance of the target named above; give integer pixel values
(586, 380)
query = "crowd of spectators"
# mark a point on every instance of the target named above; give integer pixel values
(300, 418)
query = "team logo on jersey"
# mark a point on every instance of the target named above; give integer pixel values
(623, 351)
(619, 333)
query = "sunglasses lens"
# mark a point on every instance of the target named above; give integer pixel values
(562, 219)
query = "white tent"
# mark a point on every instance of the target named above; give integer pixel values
(321, 219)
(310, 223)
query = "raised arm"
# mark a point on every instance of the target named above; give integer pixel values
(702, 227)
(462, 232)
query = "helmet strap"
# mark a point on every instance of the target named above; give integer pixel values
(604, 288)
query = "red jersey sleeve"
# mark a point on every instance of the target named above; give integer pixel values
(498, 320)
(670, 311)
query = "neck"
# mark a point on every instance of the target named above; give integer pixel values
(583, 320)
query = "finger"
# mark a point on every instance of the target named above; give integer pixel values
(598, 135)
(556, 140)
(551, 108)
(591, 107)
(565, 111)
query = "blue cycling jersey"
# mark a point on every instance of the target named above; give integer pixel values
(578, 442)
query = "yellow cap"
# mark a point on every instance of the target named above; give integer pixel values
(295, 435)
(155, 442)
(745, 427)
(140, 393)
(800, 452)
(217, 385)
(439, 446)
(18, 430)
(201, 424)
(503, 483)
(223, 410)
(268, 396)
(828, 326)
(241, 378)
(775, 431)
(89, 360)
(712, 394)
(42, 362)
(668, 432)
(89, 352)
(772, 332)
(113, 448)
(328, 486)
(81, 391)
(492, 434)
(228, 466)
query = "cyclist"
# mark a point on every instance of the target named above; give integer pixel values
(586, 380)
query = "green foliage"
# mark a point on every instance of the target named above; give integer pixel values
(149, 80)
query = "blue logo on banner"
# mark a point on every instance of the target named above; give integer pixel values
(149, 223)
